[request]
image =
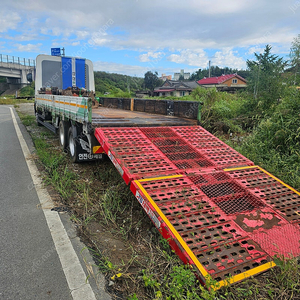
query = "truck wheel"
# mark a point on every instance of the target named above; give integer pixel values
(74, 147)
(37, 118)
(63, 131)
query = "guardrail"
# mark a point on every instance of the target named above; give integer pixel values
(17, 60)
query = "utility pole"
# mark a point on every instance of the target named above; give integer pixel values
(209, 68)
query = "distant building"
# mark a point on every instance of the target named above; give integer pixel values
(186, 76)
(230, 82)
(165, 77)
(175, 88)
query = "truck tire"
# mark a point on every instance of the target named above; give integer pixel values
(63, 132)
(37, 118)
(75, 148)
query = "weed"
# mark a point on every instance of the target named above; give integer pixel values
(133, 297)
(75, 219)
(10, 100)
(26, 119)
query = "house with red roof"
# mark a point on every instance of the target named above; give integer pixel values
(230, 82)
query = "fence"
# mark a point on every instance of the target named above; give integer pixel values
(17, 60)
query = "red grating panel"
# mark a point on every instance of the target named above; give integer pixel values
(177, 154)
(280, 240)
(133, 154)
(203, 233)
(149, 165)
(272, 191)
(237, 203)
(197, 220)
(172, 182)
(232, 258)
(231, 197)
(273, 227)
(158, 132)
(225, 222)
(186, 131)
(180, 152)
(214, 150)
(207, 237)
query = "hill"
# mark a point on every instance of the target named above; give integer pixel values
(115, 83)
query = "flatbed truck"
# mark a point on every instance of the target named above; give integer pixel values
(74, 116)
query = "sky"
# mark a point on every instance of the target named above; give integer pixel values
(132, 37)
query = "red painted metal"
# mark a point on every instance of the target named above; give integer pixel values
(218, 243)
(276, 230)
(213, 149)
(179, 149)
(224, 221)
(133, 154)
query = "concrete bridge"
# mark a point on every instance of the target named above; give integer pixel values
(17, 70)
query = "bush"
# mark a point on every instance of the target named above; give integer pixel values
(27, 91)
(221, 111)
(275, 142)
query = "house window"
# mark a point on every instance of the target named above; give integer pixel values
(234, 80)
(181, 93)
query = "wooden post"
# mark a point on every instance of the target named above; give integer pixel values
(132, 104)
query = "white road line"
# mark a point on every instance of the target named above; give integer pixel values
(71, 265)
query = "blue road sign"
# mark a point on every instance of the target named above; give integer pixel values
(55, 51)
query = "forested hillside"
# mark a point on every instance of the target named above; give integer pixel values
(116, 83)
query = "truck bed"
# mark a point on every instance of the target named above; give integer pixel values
(112, 117)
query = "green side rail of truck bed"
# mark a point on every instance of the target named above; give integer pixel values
(78, 109)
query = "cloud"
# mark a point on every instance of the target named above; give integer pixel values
(255, 49)
(134, 70)
(227, 58)
(169, 32)
(146, 57)
(82, 34)
(28, 47)
(24, 37)
(112, 67)
(98, 41)
(9, 20)
(190, 57)
(190, 24)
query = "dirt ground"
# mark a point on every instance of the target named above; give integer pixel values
(26, 108)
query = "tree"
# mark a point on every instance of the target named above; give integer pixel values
(295, 59)
(151, 80)
(217, 71)
(265, 80)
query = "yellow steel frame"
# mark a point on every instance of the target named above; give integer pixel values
(192, 256)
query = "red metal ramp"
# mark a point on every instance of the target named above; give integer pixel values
(228, 223)
(158, 151)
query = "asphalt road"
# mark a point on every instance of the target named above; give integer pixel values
(30, 267)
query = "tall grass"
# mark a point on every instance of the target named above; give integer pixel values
(275, 142)
(221, 111)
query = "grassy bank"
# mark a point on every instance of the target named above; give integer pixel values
(11, 100)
